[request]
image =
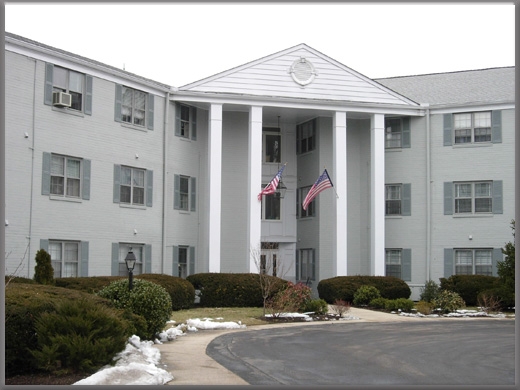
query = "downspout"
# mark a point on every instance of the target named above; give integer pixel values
(428, 194)
(165, 166)
(32, 173)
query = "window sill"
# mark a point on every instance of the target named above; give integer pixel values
(65, 199)
(134, 127)
(393, 150)
(486, 215)
(186, 212)
(68, 111)
(473, 145)
(184, 139)
(394, 216)
(132, 206)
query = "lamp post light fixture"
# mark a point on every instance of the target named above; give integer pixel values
(280, 191)
(130, 260)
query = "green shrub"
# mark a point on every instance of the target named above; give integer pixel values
(43, 271)
(469, 286)
(344, 287)
(448, 301)
(403, 304)
(91, 284)
(146, 299)
(231, 290)
(293, 298)
(430, 291)
(182, 292)
(502, 295)
(378, 303)
(79, 336)
(365, 294)
(318, 306)
(424, 307)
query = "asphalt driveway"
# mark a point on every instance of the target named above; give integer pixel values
(448, 352)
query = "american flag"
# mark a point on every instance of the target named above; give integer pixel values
(273, 184)
(321, 184)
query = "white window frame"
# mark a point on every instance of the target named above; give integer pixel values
(466, 128)
(184, 196)
(267, 202)
(138, 250)
(133, 185)
(64, 258)
(391, 201)
(306, 137)
(66, 177)
(307, 264)
(394, 262)
(269, 132)
(186, 121)
(393, 133)
(77, 96)
(183, 257)
(131, 113)
(469, 260)
(459, 197)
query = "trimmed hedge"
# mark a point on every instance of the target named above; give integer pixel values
(181, 291)
(344, 287)
(469, 286)
(230, 290)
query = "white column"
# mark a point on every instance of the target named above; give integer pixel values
(339, 135)
(377, 196)
(255, 185)
(215, 185)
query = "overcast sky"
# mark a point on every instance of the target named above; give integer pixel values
(179, 43)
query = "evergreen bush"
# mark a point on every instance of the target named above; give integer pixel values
(318, 306)
(430, 291)
(448, 301)
(403, 304)
(364, 294)
(469, 286)
(378, 303)
(146, 299)
(43, 271)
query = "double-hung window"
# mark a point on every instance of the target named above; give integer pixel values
(300, 197)
(306, 137)
(393, 199)
(184, 193)
(64, 258)
(393, 262)
(305, 265)
(65, 177)
(133, 186)
(70, 82)
(133, 109)
(473, 197)
(272, 145)
(186, 121)
(472, 127)
(397, 133)
(271, 206)
(183, 260)
(474, 262)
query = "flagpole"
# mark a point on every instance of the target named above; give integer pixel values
(337, 196)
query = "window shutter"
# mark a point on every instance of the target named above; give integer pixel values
(496, 127)
(448, 262)
(49, 76)
(88, 95)
(175, 261)
(149, 114)
(406, 209)
(44, 244)
(313, 264)
(84, 259)
(448, 198)
(497, 197)
(193, 194)
(117, 183)
(497, 256)
(298, 192)
(46, 174)
(85, 191)
(115, 259)
(149, 188)
(448, 137)
(406, 133)
(177, 119)
(176, 192)
(193, 120)
(406, 265)
(118, 103)
(148, 259)
(191, 268)
(297, 264)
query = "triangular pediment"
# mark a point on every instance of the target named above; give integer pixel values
(299, 72)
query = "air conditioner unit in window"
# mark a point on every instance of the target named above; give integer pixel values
(61, 99)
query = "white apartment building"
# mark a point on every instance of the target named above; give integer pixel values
(99, 160)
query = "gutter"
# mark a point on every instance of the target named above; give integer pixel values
(32, 172)
(165, 165)
(428, 194)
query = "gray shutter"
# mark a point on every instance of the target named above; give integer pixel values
(497, 197)
(175, 261)
(49, 84)
(193, 194)
(298, 191)
(193, 120)
(297, 264)
(148, 259)
(191, 267)
(115, 259)
(46, 174)
(176, 192)
(177, 119)
(448, 262)
(44, 244)
(448, 198)
(84, 259)
(406, 141)
(149, 188)
(117, 183)
(85, 191)
(406, 201)
(149, 114)
(497, 256)
(313, 264)
(88, 95)
(406, 265)
(448, 137)
(118, 103)
(496, 127)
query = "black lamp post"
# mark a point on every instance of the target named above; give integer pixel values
(130, 260)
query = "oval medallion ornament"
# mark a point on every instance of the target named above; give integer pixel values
(302, 71)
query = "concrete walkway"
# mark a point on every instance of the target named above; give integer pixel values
(187, 361)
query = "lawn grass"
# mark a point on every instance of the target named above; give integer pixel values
(246, 315)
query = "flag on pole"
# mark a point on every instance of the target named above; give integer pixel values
(321, 184)
(273, 184)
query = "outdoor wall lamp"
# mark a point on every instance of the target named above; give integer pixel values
(130, 260)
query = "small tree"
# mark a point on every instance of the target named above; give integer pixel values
(43, 271)
(506, 268)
